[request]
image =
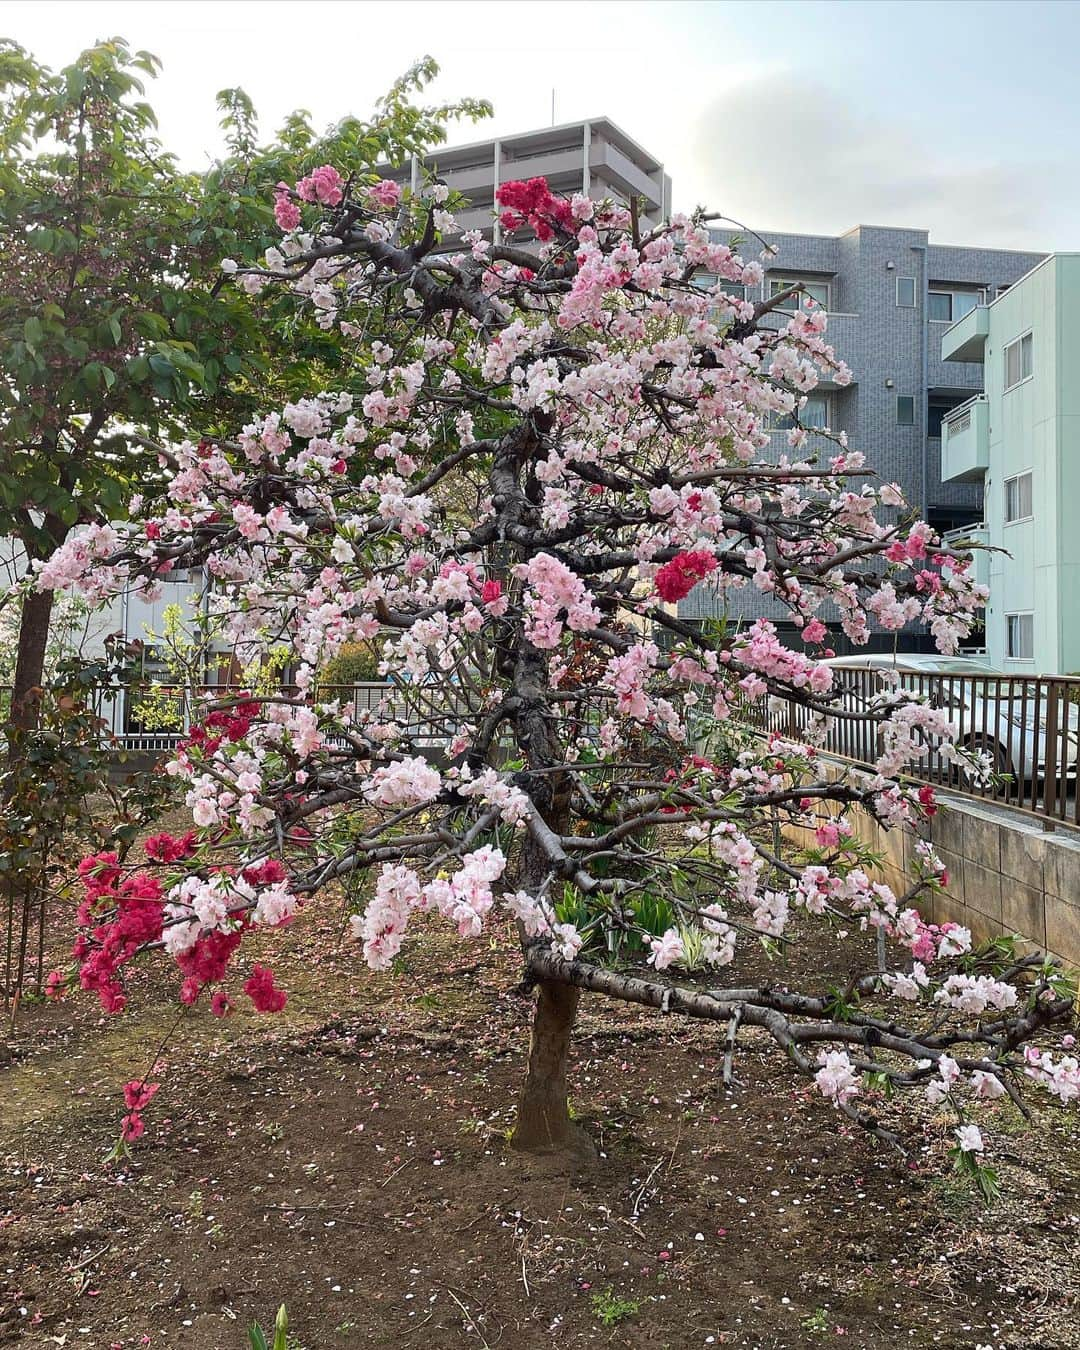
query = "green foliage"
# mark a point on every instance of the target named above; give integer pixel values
(610, 1310)
(355, 663)
(842, 1004)
(117, 324)
(817, 1322)
(158, 708)
(109, 317)
(651, 912)
(985, 1178)
(54, 779)
(257, 1337)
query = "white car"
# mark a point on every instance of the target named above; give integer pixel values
(1015, 720)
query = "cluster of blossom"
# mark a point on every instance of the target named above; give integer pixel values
(405, 782)
(137, 1097)
(465, 898)
(1061, 1077)
(837, 1079)
(973, 994)
(555, 598)
(676, 579)
(930, 941)
(911, 732)
(532, 203)
(199, 921)
(513, 805)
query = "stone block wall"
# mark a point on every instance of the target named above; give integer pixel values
(1007, 874)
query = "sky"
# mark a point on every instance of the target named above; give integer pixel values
(802, 116)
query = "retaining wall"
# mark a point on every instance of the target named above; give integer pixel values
(1007, 874)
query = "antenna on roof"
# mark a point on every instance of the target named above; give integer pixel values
(553, 107)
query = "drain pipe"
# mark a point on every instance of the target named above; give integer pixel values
(924, 416)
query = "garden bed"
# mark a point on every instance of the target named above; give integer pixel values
(349, 1159)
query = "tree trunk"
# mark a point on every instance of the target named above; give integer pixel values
(30, 662)
(543, 1116)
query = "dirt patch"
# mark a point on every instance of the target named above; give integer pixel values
(350, 1160)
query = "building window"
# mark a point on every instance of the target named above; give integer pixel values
(946, 306)
(905, 292)
(814, 414)
(936, 413)
(905, 410)
(1020, 637)
(1019, 361)
(1018, 500)
(705, 281)
(814, 293)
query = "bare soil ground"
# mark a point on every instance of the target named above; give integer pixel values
(349, 1159)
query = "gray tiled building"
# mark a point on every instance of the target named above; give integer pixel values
(890, 294)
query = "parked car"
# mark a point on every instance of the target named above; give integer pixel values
(1006, 716)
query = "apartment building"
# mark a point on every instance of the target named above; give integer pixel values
(1018, 442)
(891, 296)
(595, 158)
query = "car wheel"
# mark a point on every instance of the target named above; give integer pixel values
(1000, 761)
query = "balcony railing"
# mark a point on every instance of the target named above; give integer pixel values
(965, 441)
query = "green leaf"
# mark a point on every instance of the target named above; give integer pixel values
(33, 332)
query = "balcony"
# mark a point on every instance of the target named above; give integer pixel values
(966, 338)
(965, 441)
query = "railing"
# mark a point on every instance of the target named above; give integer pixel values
(153, 720)
(1028, 727)
(958, 419)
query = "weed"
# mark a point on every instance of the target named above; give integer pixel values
(816, 1322)
(610, 1310)
(954, 1195)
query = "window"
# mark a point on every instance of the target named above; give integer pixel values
(1020, 637)
(905, 292)
(946, 306)
(905, 410)
(815, 292)
(705, 281)
(1019, 361)
(1018, 499)
(814, 414)
(939, 306)
(935, 415)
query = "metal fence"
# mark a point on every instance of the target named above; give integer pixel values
(154, 719)
(1027, 726)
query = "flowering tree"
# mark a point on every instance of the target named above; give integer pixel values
(569, 433)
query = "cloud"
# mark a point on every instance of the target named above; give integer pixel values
(780, 152)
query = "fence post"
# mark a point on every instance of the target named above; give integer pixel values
(1050, 751)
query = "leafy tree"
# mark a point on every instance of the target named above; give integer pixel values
(572, 436)
(117, 329)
